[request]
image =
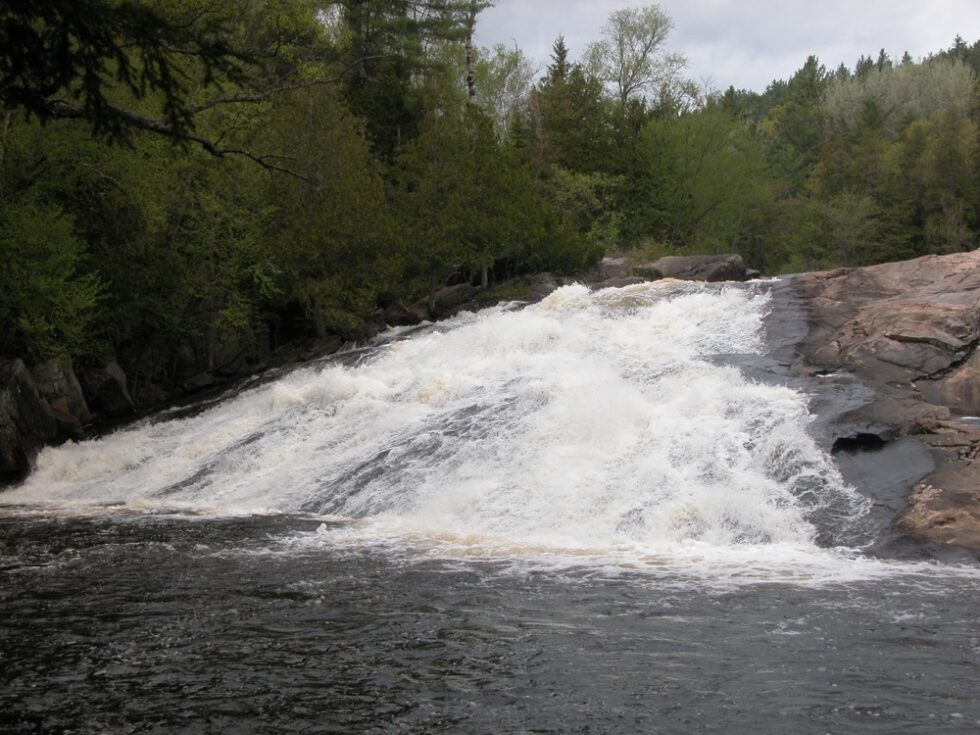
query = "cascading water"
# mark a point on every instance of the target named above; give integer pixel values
(580, 516)
(587, 421)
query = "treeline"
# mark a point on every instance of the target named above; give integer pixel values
(186, 182)
(282, 171)
(876, 163)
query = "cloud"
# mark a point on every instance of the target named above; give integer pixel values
(740, 43)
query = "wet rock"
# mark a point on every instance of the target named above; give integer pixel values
(544, 285)
(104, 387)
(913, 324)
(446, 299)
(618, 282)
(198, 382)
(153, 394)
(328, 345)
(399, 315)
(910, 331)
(607, 268)
(709, 268)
(901, 410)
(27, 422)
(57, 383)
(69, 427)
(648, 271)
(945, 507)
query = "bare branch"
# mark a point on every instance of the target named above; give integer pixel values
(281, 89)
(59, 109)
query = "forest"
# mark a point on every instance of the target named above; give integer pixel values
(183, 182)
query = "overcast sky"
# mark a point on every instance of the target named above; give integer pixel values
(746, 43)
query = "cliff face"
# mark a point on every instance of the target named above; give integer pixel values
(910, 331)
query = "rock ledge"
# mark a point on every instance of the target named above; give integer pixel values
(910, 331)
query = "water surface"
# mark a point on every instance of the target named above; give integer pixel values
(605, 513)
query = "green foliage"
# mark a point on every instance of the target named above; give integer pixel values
(583, 201)
(381, 176)
(466, 202)
(888, 98)
(707, 180)
(57, 52)
(795, 123)
(47, 303)
(825, 233)
(570, 120)
(391, 43)
(334, 247)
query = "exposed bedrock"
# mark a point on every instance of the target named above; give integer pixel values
(27, 422)
(910, 331)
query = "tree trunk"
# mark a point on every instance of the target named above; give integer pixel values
(470, 61)
(470, 72)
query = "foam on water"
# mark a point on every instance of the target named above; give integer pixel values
(590, 421)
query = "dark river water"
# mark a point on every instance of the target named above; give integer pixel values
(610, 512)
(162, 625)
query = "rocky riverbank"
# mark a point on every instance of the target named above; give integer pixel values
(909, 331)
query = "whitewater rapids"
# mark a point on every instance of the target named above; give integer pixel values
(586, 421)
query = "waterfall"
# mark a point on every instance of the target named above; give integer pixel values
(589, 420)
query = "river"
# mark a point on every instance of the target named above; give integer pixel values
(606, 512)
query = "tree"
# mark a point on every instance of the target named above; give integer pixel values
(47, 301)
(63, 58)
(136, 65)
(559, 66)
(892, 96)
(570, 118)
(393, 47)
(503, 84)
(706, 182)
(632, 57)
(794, 124)
(334, 246)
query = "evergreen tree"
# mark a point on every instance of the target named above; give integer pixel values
(558, 68)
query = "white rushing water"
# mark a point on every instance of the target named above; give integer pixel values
(588, 421)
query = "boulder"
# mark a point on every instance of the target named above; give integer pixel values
(199, 382)
(618, 282)
(543, 285)
(398, 315)
(69, 426)
(446, 299)
(648, 271)
(910, 331)
(104, 387)
(57, 383)
(613, 268)
(27, 422)
(709, 268)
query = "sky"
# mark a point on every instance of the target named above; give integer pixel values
(745, 43)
